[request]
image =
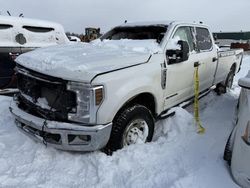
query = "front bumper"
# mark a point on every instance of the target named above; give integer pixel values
(63, 136)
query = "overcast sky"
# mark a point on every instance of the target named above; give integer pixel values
(75, 15)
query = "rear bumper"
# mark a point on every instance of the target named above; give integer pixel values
(63, 136)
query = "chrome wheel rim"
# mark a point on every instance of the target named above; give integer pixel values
(136, 132)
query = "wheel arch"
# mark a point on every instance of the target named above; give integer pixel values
(146, 99)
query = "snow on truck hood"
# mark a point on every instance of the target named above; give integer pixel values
(83, 61)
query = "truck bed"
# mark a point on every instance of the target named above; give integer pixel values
(226, 59)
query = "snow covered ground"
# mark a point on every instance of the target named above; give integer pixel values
(178, 157)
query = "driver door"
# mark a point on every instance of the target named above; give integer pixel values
(180, 75)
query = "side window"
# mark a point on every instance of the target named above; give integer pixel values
(38, 29)
(185, 34)
(203, 39)
(5, 26)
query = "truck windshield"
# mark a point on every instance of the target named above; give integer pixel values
(136, 33)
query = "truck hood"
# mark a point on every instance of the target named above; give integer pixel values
(83, 61)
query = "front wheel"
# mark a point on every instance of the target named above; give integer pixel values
(134, 125)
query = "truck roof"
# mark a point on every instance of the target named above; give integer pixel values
(148, 23)
(166, 23)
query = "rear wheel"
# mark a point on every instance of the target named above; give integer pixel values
(221, 88)
(230, 79)
(134, 125)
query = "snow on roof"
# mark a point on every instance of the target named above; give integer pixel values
(131, 24)
(27, 21)
(166, 22)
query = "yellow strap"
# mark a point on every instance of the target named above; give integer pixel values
(201, 129)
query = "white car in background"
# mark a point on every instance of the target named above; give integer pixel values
(20, 35)
(237, 151)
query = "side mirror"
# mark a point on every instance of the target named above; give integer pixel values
(178, 55)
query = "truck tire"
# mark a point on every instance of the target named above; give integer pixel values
(221, 88)
(131, 126)
(230, 79)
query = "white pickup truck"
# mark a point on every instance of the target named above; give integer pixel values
(109, 93)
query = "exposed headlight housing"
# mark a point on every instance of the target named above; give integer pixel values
(88, 101)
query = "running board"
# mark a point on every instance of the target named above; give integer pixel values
(171, 111)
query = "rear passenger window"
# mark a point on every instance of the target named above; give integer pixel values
(203, 39)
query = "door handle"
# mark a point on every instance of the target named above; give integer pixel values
(196, 64)
(214, 59)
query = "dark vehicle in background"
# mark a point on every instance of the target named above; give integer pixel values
(20, 35)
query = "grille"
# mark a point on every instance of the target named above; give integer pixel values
(44, 96)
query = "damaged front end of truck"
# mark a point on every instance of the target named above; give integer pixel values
(47, 110)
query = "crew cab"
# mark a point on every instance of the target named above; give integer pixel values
(109, 93)
(19, 35)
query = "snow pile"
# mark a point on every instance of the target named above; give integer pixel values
(178, 157)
